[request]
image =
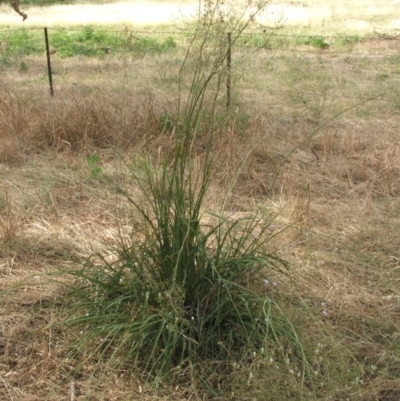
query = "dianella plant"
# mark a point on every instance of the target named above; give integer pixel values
(186, 295)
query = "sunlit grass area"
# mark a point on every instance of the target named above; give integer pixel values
(309, 16)
(335, 16)
(110, 14)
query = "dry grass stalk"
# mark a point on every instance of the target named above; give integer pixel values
(74, 123)
(9, 224)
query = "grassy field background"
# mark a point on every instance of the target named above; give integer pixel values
(330, 17)
(311, 143)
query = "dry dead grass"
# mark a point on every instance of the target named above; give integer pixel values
(335, 199)
(339, 215)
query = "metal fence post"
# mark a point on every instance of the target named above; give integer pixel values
(228, 70)
(46, 38)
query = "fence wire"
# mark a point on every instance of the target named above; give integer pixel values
(151, 59)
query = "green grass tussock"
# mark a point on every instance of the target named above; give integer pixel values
(184, 298)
